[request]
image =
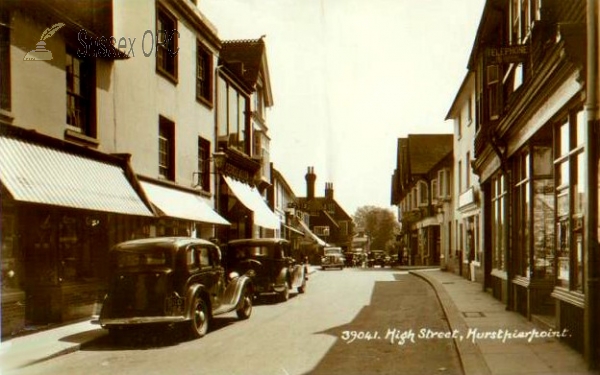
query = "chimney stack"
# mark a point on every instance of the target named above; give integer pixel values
(310, 177)
(329, 190)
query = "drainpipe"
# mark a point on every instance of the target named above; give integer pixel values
(592, 259)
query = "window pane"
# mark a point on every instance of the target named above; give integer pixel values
(580, 119)
(562, 249)
(578, 271)
(543, 229)
(564, 139)
(542, 161)
(563, 174)
(578, 184)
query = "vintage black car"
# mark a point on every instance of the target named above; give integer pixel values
(333, 258)
(171, 280)
(377, 258)
(274, 271)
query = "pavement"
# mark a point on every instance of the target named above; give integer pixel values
(489, 339)
(513, 344)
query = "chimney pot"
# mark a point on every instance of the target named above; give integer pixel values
(310, 177)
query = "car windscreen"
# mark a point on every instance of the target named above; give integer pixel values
(245, 252)
(150, 257)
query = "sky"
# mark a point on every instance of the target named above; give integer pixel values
(349, 77)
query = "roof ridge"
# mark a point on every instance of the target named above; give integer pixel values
(239, 41)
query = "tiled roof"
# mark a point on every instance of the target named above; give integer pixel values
(248, 53)
(426, 150)
(318, 204)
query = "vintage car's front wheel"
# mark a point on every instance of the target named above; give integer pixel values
(245, 307)
(200, 317)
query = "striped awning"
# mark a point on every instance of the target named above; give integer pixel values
(309, 233)
(251, 198)
(36, 173)
(180, 204)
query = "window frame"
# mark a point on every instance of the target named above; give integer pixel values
(166, 132)
(569, 164)
(422, 194)
(204, 74)
(85, 94)
(166, 54)
(203, 164)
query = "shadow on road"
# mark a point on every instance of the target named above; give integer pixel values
(383, 337)
(147, 338)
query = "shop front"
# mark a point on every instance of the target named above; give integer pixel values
(181, 211)
(248, 212)
(63, 207)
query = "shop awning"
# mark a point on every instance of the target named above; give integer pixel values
(39, 174)
(311, 235)
(294, 230)
(180, 204)
(250, 197)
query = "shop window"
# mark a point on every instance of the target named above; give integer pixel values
(523, 208)
(498, 241)
(80, 246)
(543, 213)
(11, 274)
(570, 166)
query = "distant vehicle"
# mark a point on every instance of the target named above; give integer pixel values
(274, 271)
(171, 280)
(376, 258)
(333, 258)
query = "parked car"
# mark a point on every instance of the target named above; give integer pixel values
(333, 258)
(171, 280)
(274, 271)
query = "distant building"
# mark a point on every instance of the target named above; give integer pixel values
(421, 189)
(468, 229)
(295, 221)
(328, 220)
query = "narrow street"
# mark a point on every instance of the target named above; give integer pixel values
(353, 321)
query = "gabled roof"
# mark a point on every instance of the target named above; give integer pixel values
(318, 204)
(466, 87)
(426, 150)
(248, 58)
